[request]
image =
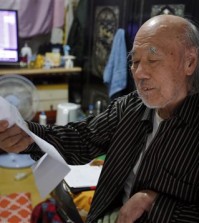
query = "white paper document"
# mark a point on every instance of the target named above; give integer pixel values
(48, 174)
(82, 176)
(51, 168)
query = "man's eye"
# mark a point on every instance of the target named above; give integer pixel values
(152, 61)
(135, 64)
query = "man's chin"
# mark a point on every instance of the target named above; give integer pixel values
(147, 102)
(150, 104)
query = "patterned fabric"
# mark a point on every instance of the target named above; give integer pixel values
(83, 202)
(46, 212)
(169, 166)
(15, 208)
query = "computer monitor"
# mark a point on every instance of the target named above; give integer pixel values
(9, 38)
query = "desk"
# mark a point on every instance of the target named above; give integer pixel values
(9, 185)
(35, 72)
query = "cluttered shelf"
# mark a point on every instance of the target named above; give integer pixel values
(33, 72)
(54, 86)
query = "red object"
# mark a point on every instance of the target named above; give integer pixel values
(15, 208)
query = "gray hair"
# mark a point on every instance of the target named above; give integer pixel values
(192, 40)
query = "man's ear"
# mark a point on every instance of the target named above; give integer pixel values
(191, 60)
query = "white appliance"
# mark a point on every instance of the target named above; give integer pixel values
(22, 93)
(67, 112)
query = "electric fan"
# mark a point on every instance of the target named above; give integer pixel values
(20, 92)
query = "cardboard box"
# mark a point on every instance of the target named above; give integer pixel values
(51, 95)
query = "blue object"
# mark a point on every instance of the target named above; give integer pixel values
(115, 72)
(66, 50)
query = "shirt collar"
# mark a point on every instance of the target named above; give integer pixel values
(147, 118)
(191, 103)
(189, 109)
(148, 114)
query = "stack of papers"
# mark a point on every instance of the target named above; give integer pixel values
(83, 177)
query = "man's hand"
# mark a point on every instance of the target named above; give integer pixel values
(136, 206)
(13, 139)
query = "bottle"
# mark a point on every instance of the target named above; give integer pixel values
(42, 118)
(98, 107)
(90, 109)
(66, 49)
(26, 52)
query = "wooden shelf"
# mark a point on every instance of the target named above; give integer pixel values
(34, 72)
(45, 77)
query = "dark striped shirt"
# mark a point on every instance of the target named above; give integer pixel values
(170, 166)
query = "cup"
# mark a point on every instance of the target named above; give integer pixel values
(67, 112)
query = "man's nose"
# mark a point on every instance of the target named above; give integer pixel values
(141, 71)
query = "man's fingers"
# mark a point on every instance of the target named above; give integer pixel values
(17, 143)
(10, 132)
(13, 139)
(3, 125)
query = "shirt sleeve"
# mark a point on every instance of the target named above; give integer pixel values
(169, 210)
(79, 142)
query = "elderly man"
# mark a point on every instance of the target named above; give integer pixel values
(150, 137)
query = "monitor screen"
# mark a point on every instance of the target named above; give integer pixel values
(9, 45)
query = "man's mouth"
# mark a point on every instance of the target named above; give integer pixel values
(146, 88)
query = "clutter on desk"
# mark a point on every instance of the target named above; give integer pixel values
(52, 59)
(69, 61)
(22, 175)
(68, 112)
(26, 54)
(48, 56)
(42, 118)
(85, 177)
(96, 108)
(90, 109)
